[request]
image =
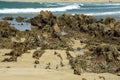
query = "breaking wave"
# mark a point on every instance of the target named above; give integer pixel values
(36, 10)
(103, 13)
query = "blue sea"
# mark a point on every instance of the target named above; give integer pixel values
(29, 9)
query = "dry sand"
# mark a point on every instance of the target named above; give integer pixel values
(24, 69)
(88, 1)
(42, 74)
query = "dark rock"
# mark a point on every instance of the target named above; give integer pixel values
(20, 19)
(69, 57)
(61, 64)
(35, 66)
(110, 53)
(8, 67)
(43, 19)
(118, 74)
(104, 58)
(11, 59)
(84, 79)
(68, 21)
(37, 54)
(117, 29)
(36, 62)
(102, 77)
(8, 18)
(58, 55)
(55, 53)
(4, 24)
(6, 30)
(48, 66)
(57, 66)
(109, 20)
(77, 69)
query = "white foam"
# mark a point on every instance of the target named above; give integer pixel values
(100, 13)
(103, 13)
(35, 10)
(113, 4)
(108, 4)
(81, 4)
(102, 7)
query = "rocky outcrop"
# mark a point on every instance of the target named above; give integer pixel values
(6, 30)
(103, 58)
(101, 37)
(43, 19)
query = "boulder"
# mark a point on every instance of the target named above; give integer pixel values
(8, 18)
(109, 20)
(20, 19)
(4, 24)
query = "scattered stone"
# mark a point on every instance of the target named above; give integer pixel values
(60, 56)
(61, 64)
(84, 79)
(69, 57)
(55, 53)
(37, 54)
(36, 62)
(102, 77)
(77, 69)
(57, 66)
(118, 74)
(8, 67)
(11, 59)
(48, 66)
(35, 66)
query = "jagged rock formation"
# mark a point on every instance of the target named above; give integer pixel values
(102, 39)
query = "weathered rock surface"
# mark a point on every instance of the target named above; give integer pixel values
(101, 37)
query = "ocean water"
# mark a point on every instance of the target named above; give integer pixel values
(29, 9)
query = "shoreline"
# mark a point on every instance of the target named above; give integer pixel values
(81, 1)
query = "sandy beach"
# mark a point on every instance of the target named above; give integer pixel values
(24, 69)
(82, 1)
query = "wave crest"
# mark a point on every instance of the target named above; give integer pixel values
(103, 13)
(36, 10)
